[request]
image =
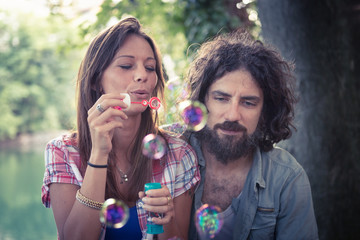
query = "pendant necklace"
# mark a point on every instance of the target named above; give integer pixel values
(124, 176)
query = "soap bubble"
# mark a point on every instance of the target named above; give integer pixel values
(194, 114)
(154, 146)
(208, 221)
(193, 117)
(175, 129)
(114, 213)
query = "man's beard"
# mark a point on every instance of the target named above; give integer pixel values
(229, 148)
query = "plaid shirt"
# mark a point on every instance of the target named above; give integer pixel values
(178, 170)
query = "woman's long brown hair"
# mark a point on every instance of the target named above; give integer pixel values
(98, 57)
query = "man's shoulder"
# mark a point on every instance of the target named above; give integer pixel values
(281, 158)
(278, 165)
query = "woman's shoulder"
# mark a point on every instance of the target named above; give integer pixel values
(175, 142)
(64, 141)
(179, 150)
(63, 149)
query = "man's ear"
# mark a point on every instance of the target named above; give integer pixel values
(262, 121)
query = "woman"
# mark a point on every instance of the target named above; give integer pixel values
(103, 159)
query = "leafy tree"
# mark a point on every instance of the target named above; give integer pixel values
(36, 72)
(178, 24)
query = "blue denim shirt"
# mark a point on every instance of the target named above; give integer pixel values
(276, 199)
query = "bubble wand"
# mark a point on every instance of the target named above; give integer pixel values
(154, 103)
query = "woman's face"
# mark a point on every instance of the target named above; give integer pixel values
(132, 71)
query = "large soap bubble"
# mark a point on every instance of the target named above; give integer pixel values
(154, 146)
(194, 114)
(114, 213)
(208, 221)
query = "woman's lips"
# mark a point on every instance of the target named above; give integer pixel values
(140, 94)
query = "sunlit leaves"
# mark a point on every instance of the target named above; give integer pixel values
(38, 63)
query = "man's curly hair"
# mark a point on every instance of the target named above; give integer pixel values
(237, 50)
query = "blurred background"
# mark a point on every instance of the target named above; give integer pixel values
(43, 41)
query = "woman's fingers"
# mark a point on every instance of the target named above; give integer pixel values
(107, 116)
(164, 220)
(163, 191)
(141, 194)
(159, 201)
(158, 197)
(103, 118)
(107, 108)
(104, 105)
(107, 127)
(158, 209)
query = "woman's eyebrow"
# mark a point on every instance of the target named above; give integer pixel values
(130, 56)
(124, 56)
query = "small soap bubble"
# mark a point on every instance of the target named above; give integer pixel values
(175, 129)
(194, 114)
(114, 213)
(154, 146)
(208, 221)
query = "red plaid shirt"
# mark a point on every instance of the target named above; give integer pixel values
(178, 170)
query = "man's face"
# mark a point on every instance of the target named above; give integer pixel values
(234, 104)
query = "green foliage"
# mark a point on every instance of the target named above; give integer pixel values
(36, 71)
(157, 17)
(204, 19)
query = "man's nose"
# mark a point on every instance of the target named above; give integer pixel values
(233, 113)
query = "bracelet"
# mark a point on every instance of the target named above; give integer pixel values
(88, 202)
(97, 166)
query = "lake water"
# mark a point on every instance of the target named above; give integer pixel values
(22, 215)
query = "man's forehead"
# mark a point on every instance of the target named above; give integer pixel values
(238, 82)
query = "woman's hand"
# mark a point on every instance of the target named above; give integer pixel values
(103, 120)
(159, 201)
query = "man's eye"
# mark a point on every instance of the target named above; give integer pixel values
(249, 104)
(220, 99)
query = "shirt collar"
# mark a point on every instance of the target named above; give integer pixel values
(257, 169)
(196, 144)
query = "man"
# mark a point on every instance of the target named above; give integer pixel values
(262, 191)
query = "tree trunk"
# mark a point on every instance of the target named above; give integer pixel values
(322, 37)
